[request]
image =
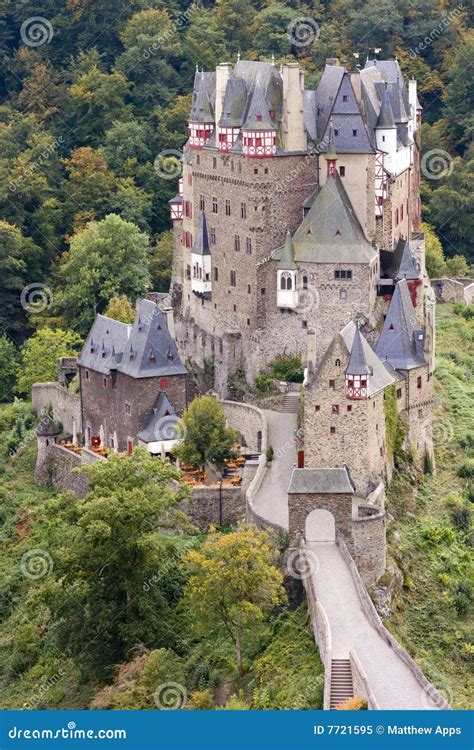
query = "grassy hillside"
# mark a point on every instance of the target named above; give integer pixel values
(430, 539)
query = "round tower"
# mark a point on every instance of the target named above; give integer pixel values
(46, 436)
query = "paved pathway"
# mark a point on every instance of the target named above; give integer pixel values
(272, 499)
(392, 682)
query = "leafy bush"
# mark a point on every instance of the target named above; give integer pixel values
(357, 703)
(270, 454)
(461, 518)
(264, 383)
(462, 598)
(466, 469)
(201, 700)
(287, 367)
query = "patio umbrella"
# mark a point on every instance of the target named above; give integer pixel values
(115, 441)
(102, 436)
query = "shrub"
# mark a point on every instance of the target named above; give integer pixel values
(467, 441)
(461, 518)
(201, 700)
(462, 598)
(270, 453)
(357, 703)
(466, 469)
(264, 383)
(287, 367)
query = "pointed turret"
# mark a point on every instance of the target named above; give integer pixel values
(287, 257)
(201, 243)
(398, 340)
(358, 371)
(287, 295)
(385, 119)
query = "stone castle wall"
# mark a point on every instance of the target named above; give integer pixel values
(369, 547)
(301, 504)
(249, 421)
(66, 406)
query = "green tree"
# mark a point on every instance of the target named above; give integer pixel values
(233, 583)
(40, 354)
(118, 575)
(18, 266)
(206, 439)
(108, 258)
(457, 266)
(120, 308)
(434, 256)
(459, 111)
(161, 255)
(8, 368)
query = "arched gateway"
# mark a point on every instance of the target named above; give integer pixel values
(320, 505)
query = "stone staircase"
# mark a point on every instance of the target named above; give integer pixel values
(291, 402)
(341, 682)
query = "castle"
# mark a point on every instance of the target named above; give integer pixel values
(290, 208)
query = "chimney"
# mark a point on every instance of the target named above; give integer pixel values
(412, 98)
(294, 133)
(356, 85)
(311, 351)
(223, 73)
(332, 61)
(169, 318)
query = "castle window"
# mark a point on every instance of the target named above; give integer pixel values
(248, 321)
(335, 409)
(216, 273)
(343, 294)
(396, 216)
(418, 381)
(342, 171)
(391, 327)
(354, 132)
(383, 138)
(128, 408)
(202, 202)
(255, 171)
(231, 165)
(212, 236)
(259, 118)
(104, 382)
(381, 450)
(304, 324)
(249, 288)
(233, 278)
(337, 274)
(344, 98)
(337, 362)
(227, 207)
(151, 358)
(420, 412)
(198, 159)
(336, 131)
(305, 282)
(349, 408)
(248, 246)
(243, 210)
(170, 355)
(266, 170)
(237, 243)
(349, 274)
(214, 163)
(214, 205)
(317, 407)
(333, 430)
(332, 383)
(188, 272)
(262, 291)
(235, 308)
(401, 212)
(286, 281)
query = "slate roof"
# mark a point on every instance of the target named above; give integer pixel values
(204, 97)
(325, 96)
(385, 119)
(357, 361)
(201, 243)
(399, 264)
(142, 350)
(400, 339)
(258, 117)
(330, 232)
(379, 376)
(321, 482)
(234, 104)
(287, 259)
(161, 424)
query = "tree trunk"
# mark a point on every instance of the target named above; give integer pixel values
(238, 652)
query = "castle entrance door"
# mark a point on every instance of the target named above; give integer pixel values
(320, 526)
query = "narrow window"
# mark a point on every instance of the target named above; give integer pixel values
(354, 132)
(214, 205)
(262, 291)
(212, 236)
(202, 203)
(237, 243)
(243, 210)
(304, 324)
(214, 163)
(333, 430)
(216, 273)
(349, 408)
(344, 98)
(342, 171)
(418, 382)
(248, 246)
(305, 282)
(317, 407)
(227, 207)
(332, 383)
(233, 278)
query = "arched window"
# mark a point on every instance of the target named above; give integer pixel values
(338, 363)
(289, 283)
(282, 283)
(259, 441)
(305, 282)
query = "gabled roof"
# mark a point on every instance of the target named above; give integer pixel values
(399, 340)
(399, 264)
(358, 362)
(321, 482)
(385, 119)
(380, 376)
(204, 96)
(161, 423)
(325, 95)
(142, 350)
(330, 232)
(201, 243)
(287, 259)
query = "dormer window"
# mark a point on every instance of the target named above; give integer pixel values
(151, 358)
(170, 356)
(259, 118)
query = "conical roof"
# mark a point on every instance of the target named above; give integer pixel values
(357, 362)
(287, 258)
(258, 116)
(201, 109)
(407, 268)
(398, 340)
(385, 119)
(201, 243)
